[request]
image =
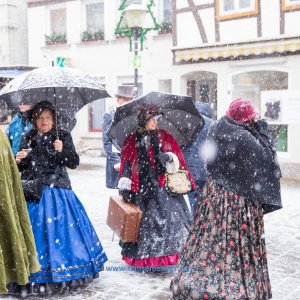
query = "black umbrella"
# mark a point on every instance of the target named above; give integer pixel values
(180, 117)
(67, 89)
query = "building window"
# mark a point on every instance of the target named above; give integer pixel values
(58, 21)
(230, 9)
(250, 85)
(96, 110)
(167, 11)
(128, 2)
(288, 5)
(95, 17)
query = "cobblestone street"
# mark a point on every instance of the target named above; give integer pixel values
(281, 231)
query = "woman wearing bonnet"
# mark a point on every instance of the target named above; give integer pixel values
(146, 156)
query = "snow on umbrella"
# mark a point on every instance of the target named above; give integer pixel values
(67, 89)
(180, 117)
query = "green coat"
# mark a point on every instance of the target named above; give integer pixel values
(17, 247)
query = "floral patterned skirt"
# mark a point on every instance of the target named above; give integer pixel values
(224, 256)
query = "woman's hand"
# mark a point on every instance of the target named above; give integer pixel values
(21, 155)
(58, 145)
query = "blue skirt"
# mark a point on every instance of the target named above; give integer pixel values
(67, 245)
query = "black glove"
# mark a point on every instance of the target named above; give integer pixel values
(126, 195)
(164, 157)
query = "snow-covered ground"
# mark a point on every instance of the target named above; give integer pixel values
(282, 237)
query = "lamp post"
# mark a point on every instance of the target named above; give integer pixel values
(134, 18)
(131, 24)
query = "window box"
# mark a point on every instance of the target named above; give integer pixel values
(56, 39)
(120, 36)
(165, 28)
(87, 36)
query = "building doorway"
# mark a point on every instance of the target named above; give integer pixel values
(202, 87)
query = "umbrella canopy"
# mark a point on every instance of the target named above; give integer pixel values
(66, 88)
(180, 117)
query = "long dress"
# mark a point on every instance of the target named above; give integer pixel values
(224, 256)
(17, 247)
(69, 250)
(166, 219)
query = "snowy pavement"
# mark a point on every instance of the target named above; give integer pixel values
(282, 231)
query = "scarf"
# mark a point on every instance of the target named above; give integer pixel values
(146, 184)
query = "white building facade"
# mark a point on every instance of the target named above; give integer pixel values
(13, 32)
(216, 51)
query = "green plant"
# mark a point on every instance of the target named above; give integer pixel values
(165, 27)
(56, 38)
(122, 34)
(89, 36)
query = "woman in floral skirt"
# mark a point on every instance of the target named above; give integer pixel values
(224, 256)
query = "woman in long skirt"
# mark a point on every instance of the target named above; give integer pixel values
(69, 250)
(224, 256)
(166, 219)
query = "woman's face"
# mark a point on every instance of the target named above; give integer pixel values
(152, 123)
(44, 121)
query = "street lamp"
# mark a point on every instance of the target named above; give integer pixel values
(131, 24)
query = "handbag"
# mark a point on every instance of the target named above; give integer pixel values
(32, 189)
(124, 219)
(178, 183)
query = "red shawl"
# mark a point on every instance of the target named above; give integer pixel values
(129, 153)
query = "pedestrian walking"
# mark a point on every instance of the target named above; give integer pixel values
(19, 125)
(113, 160)
(194, 155)
(146, 156)
(225, 251)
(68, 247)
(17, 248)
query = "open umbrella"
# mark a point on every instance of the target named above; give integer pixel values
(180, 117)
(67, 89)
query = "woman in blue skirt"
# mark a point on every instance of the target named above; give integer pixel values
(69, 250)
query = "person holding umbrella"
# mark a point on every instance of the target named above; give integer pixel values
(146, 155)
(69, 250)
(225, 250)
(17, 248)
(19, 125)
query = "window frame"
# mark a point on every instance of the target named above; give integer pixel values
(89, 111)
(161, 12)
(52, 31)
(48, 10)
(90, 2)
(236, 13)
(287, 5)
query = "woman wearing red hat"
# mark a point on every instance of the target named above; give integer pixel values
(225, 250)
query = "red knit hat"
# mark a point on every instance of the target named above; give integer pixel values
(241, 110)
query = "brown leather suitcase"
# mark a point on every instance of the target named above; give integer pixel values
(124, 219)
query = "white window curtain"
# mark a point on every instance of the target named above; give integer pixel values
(58, 21)
(95, 17)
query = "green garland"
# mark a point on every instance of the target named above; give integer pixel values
(142, 31)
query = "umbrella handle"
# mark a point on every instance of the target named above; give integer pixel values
(55, 107)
